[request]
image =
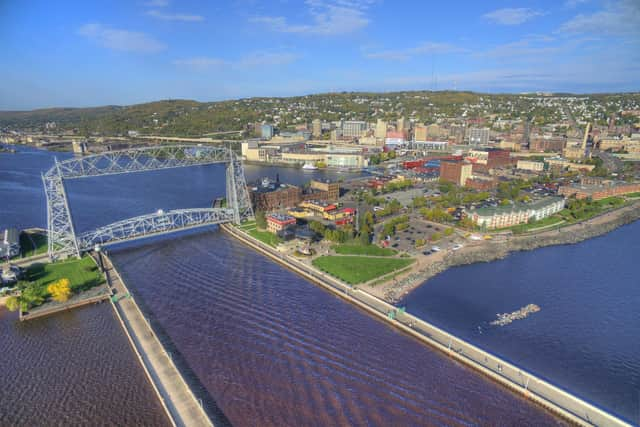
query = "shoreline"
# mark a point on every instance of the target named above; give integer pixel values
(497, 249)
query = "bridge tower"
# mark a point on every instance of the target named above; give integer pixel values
(237, 194)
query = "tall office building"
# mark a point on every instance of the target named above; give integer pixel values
(420, 133)
(401, 124)
(353, 128)
(267, 131)
(316, 128)
(478, 136)
(457, 133)
(381, 129)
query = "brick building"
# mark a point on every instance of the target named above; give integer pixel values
(598, 191)
(455, 171)
(279, 222)
(556, 144)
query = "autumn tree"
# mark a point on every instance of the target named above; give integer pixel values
(12, 303)
(60, 290)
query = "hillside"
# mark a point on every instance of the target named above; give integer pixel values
(186, 117)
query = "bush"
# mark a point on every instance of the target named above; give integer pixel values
(448, 231)
(12, 303)
(435, 237)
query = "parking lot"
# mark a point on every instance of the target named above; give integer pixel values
(405, 240)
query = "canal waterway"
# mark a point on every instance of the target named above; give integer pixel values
(272, 349)
(585, 338)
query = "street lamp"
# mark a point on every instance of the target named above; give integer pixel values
(98, 250)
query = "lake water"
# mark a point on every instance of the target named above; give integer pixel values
(585, 338)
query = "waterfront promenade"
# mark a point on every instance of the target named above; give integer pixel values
(556, 400)
(181, 405)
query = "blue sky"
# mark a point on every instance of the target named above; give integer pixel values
(88, 53)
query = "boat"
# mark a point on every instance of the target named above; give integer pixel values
(309, 167)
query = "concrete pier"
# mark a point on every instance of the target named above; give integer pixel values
(554, 399)
(181, 405)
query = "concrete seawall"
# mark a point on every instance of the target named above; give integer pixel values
(180, 404)
(554, 399)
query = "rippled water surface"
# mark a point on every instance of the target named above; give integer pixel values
(74, 368)
(586, 337)
(273, 350)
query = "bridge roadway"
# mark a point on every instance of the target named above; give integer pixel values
(556, 400)
(181, 405)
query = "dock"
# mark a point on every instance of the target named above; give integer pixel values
(557, 401)
(180, 404)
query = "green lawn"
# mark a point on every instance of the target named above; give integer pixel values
(355, 269)
(592, 209)
(247, 225)
(372, 250)
(632, 195)
(27, 247)
(265, 237)
(82, 273)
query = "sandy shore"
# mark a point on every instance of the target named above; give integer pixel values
(498, 248)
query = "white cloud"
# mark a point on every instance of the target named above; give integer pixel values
(570, 4)
(512, 16)
(174, 16)
(157, 3)
(619, 18)
(422, 49)
(123, 40)
(328, 18)
(201, 63)
(249, 61)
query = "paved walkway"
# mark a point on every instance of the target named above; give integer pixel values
(184, 408)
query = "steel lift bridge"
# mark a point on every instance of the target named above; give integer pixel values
(63, 241)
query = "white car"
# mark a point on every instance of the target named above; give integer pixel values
(436, 249)
(456, 247)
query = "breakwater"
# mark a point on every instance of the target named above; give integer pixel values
(179, 402)
(524, 383)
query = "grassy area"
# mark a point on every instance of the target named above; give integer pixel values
(265, 237)
(633, 195)
(82, 274)
(355, 269)
(371, 250)
(247, 225)
(583, 210)
(27, 244)
(545, 222)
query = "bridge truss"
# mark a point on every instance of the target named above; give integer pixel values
(153, 224)
(62, 237)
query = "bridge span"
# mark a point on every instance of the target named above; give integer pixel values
(152, 225)
(64, 242)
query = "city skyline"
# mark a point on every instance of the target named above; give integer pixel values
(125, 53)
